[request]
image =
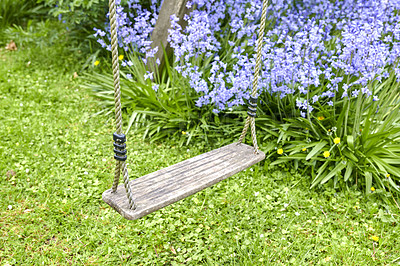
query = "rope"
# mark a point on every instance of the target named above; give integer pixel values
(117, 174)
(117, 95)
(251, 120)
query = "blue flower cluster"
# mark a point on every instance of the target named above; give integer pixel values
(134, 28)
(314, 50)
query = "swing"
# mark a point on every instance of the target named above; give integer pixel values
(139, 197)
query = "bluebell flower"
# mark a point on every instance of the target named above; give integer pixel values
(312, 43)
(366, 91)
(355, 93)
(148, 75)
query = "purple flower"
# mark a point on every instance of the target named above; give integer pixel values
(148, 75)
(315, 48)
(355, 93)
(366, 91)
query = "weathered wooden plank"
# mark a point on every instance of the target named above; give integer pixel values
(193, 179)
(166, 186)
(183, 166)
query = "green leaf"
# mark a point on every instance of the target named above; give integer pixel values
(358, 114)
(167, 65)
(395, 160)
(131, 120)
(288, 158)
(316, 149)
(350, 155)
(368, 182)
(317, 180)
(385, 167)
(278, 162)
(394, 184)
(349, 170)
(350, 142)
(339, 122)
(270, 146)
(320, 175)
(335, 171)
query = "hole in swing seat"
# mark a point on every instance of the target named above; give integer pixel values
(166, 186)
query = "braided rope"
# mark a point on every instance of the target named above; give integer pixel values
(117, 174)
(246, 126)
(128, 190)
(114, 50)
(117, 95)
(251, 120)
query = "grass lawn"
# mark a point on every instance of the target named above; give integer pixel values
(56, 160)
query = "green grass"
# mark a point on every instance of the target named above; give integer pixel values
(51, 211)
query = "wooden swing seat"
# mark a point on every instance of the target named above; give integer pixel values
(166, 186)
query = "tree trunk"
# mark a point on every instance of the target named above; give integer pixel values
(160, 33)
